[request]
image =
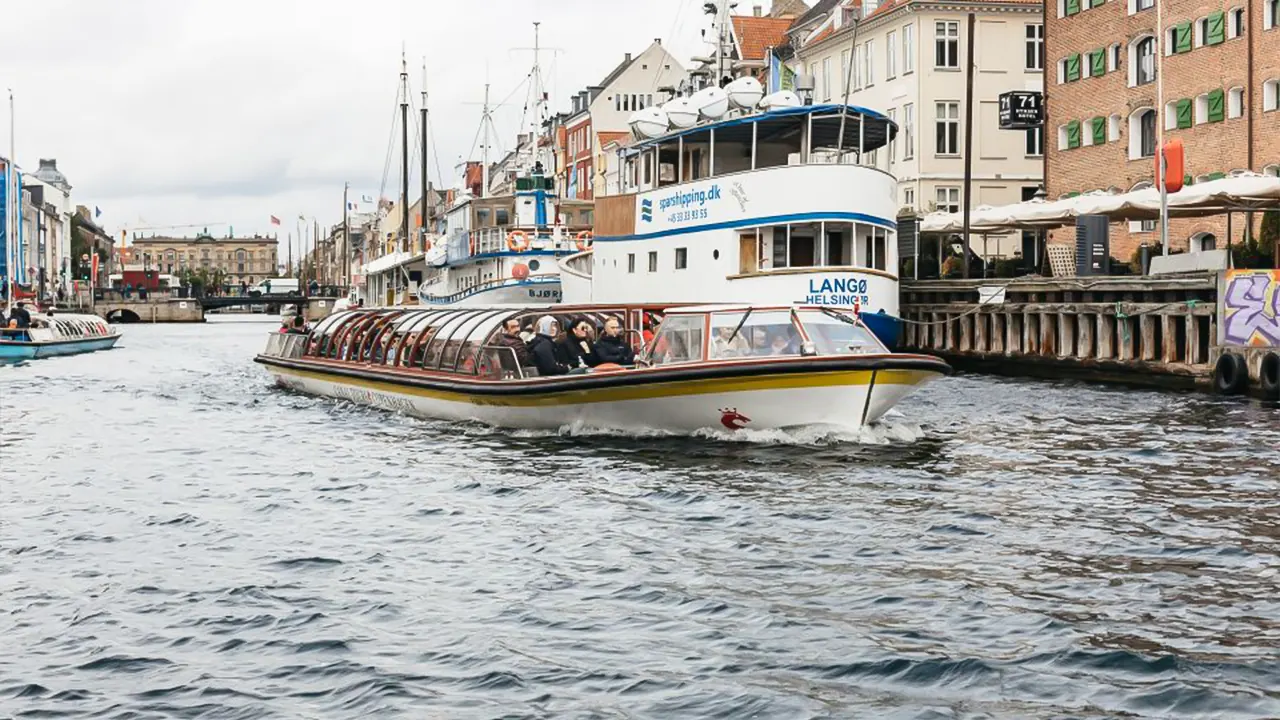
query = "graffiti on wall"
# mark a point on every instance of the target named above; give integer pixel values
(1251, 308)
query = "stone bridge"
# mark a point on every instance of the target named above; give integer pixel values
(167, 309)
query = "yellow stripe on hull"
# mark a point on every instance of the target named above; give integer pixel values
(647, 391)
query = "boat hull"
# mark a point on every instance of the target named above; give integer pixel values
(817, 396)
(12, 351)
(512, 293)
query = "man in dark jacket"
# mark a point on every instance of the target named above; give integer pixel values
(612, 347)
(577, 348)
(21, 316)
(510, 338)
(543, 348)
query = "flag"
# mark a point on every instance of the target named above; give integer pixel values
(275, 220)
(97, 211)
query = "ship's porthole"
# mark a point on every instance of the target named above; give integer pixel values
(715, 254)
(534, 265)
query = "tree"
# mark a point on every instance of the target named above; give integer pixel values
(1269, 237)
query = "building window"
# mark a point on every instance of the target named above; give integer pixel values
(908, 49)
(682, 258)
(908, 131)
(946, 52)
(1136, 6)
(631, 263)
(844, 73)
(1143, 61)
(1113, 58)
(1235, 23)
(891, 56)
(1271, 15)
(1142, 134)
(1201, 31)
(1271, 95)
(1035, 47)
(1035, 142)
(948, 199)
(909, 197)
(826, 78)
(889, 149)
(869, 54)
(1113, 128)
(948, 128)
(653, 261)
(857, 67)
(1235, 102)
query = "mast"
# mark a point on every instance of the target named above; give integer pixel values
(11, 207)
(404, 153)
(422, 209)
(538, 98)
(345, 257)
(484, 147)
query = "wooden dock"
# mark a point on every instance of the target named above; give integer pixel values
(1142, 330)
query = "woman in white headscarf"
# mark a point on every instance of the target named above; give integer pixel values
(543, 347)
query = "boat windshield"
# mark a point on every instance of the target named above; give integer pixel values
(679, 340)
(753, 334)
(835, 333)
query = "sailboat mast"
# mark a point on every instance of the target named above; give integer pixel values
(12, 206)
(404, 153)
(537, 96)
(484, 147)
(423, 209)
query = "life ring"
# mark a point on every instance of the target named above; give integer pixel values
(584, 240)
(1230, 374)
(518, 240)
(1269, 374)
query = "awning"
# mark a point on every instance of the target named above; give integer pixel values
(1237, 193)
(390, 261)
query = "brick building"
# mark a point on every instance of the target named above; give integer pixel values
(1220, 61)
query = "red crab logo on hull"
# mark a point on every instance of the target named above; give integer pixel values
(732, 419)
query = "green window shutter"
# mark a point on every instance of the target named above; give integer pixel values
(1073, 134)
(1073, 68)
(1098, 63)
(1182, 38)
(1217, 111)
(1099, 131)
(1183, 113)
(1215, 176)
(1073, 7)
(1217, 29)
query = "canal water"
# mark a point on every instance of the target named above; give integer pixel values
(178, 539)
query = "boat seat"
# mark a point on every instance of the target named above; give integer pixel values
(530, 371)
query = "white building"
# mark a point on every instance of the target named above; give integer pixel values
(47, 227)
(908, 61)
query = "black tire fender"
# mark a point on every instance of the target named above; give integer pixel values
(1269, 375)
(1230, 374)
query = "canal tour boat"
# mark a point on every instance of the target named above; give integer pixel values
(769, 207)
(61, 334)
(724, 367)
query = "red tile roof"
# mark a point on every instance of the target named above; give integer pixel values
(757, 34)
(608, 137)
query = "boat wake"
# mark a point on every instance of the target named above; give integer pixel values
(889, 431)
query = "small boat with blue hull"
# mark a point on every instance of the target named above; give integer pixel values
(51, 336)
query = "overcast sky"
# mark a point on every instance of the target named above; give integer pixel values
(167, 112)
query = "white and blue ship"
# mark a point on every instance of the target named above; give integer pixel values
(62, 334)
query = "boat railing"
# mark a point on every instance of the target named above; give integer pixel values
(557, 238)
(286, 345)
(508, 363)
(490, 284)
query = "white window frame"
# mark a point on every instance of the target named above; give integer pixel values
(1171, 115)
(1027, 143)
(1135, 133)
(1135, 60)
(1113, 127)
(950, 115)
(1201, 112)
(1113, 57)
(1235, 102)
(1271, 95)
(909, 197)
(946, 32)
(826, 78)
(1235, 22)
(908, 49)
(869, 55)
(891, 56)
(908, 131)
(1034, 34)
(891, 149)
(1271, 15)
(947, 198)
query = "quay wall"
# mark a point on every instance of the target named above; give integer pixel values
(1166, 331)
(151, 310)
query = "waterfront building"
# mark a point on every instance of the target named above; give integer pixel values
(95, 241)
(600, 113)
(1119, 85)
(46, 229)
(907, 59)
(243, 261)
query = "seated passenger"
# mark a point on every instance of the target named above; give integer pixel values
(612, 347)
(543, 348)
(510, 338)
(785, 342)
(728, 345)
(760, 342)
(578, 350)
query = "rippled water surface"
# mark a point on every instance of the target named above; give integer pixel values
(179, 539)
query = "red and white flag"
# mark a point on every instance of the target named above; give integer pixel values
(275, 220)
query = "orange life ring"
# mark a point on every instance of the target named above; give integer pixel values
(518, 240)
(584, 239)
